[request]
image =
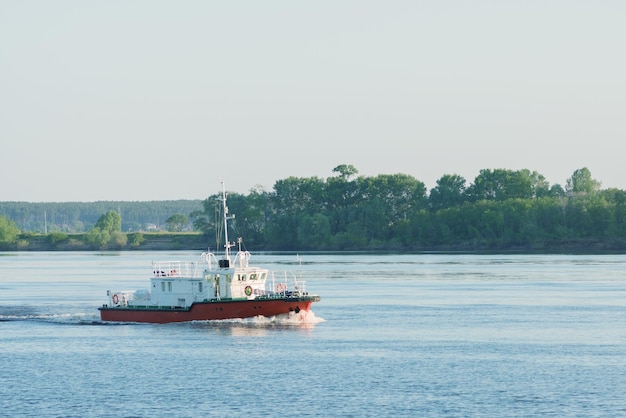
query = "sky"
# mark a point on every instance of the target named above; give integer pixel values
(138, 100)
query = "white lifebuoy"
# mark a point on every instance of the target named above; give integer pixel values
(115, 298)
(280, 287)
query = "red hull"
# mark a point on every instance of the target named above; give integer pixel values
(204, 311)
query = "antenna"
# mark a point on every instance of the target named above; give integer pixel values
(227, 244)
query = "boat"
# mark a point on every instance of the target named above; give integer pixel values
(210, 289)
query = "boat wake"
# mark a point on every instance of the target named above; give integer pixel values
(26, 313)
(300, 319)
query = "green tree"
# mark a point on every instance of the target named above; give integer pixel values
(488, 185)
(550, 217)
(388, 200)
(251, 213)
(8, 231)
(581, 182)
(107, 232)
(136, 239)
(207, 219)
(556, 190)
(541, 187)
(292, 200)
(296, 194)
(345, 171)
(314, 232)
(450, 191)
(98, 238)
(501, 184)
(109, 222)
(118, 239)
(176, 222)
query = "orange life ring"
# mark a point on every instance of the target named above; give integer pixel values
(280, 287)
(248, 290)
(115, 299)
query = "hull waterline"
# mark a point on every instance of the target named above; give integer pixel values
(206, 311)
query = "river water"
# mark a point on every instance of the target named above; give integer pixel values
(426, 335)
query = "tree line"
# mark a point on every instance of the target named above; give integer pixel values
(78, 217)
(500, 209)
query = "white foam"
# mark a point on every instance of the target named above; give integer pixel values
(61, 318)
(302, 318)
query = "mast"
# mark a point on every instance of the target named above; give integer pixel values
(227, 243)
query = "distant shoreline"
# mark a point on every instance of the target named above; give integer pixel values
(76, 242)
(200, 242)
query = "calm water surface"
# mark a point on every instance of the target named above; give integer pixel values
(394, 335)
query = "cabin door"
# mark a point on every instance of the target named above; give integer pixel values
(216, 286)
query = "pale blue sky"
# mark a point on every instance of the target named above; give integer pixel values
(155, 100)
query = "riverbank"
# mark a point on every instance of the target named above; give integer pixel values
(167, 241)
(157, 241)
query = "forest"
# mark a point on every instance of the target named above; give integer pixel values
(76, 217)
(500, 210)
